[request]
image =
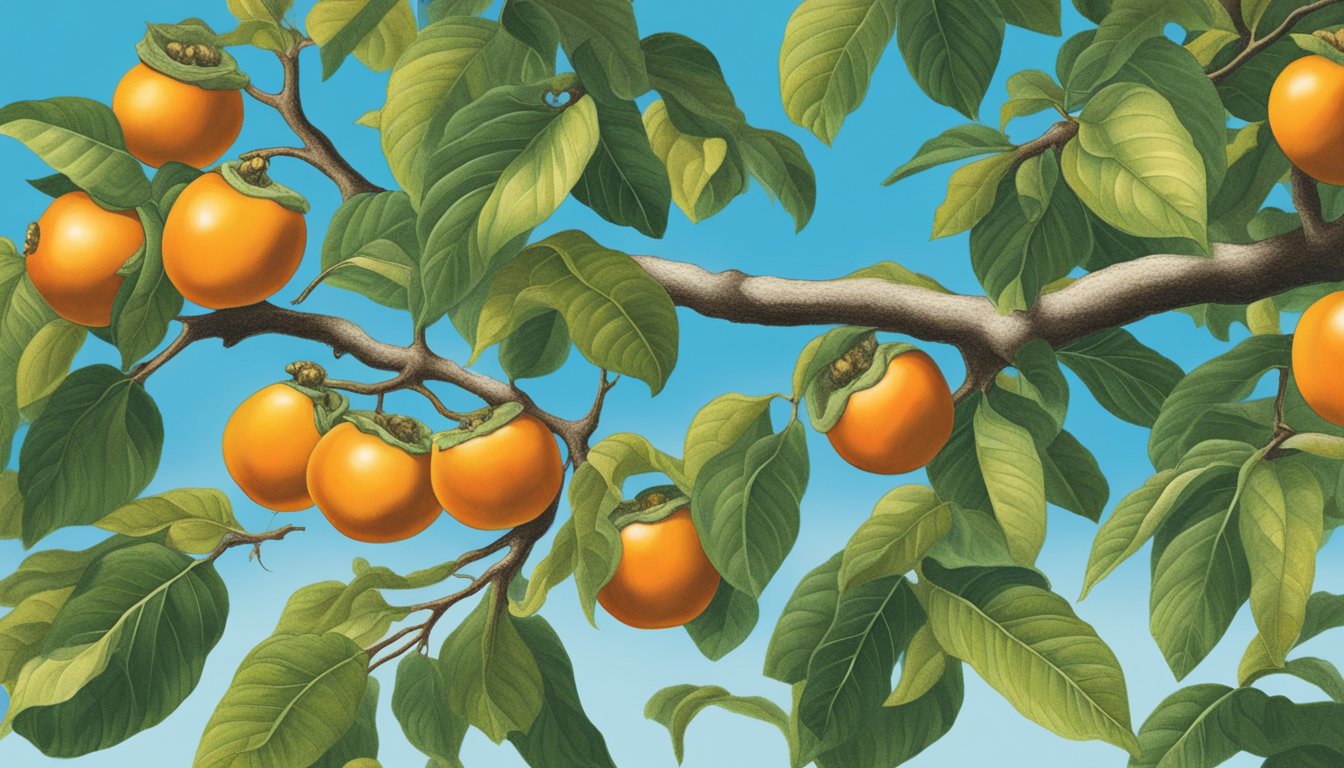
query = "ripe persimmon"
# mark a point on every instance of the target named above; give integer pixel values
(900, 423)
(498, 475)
(1318, 346)
(166, 120)
(268, 440)
(1305, 105)
(370, 478)
(664, 578)
(74, 251)
(223, 248)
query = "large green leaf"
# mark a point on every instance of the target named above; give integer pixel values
(1029, 92)
(849, 674)
(1281, 528)
(82, 139)
(147, 302)
(971, 192)
(360, 741)
(23, 629)
(53, 569)
(803, 623)
(371, 247)
(924, 665)
(620, 318)
(677, 706)
(955, 472)
(746, 505)
(23, 314)
(1073, 478)
(377, 32)
(688, 77)
(557, 566)
(561, 736)
(1226, 378)
(293, 697)
(1028, 645)
(536, 348)
(1014, 478)
(722, 422)
(625, 182)
(420, 704)
(779, 164)
(951, 48)
(830, 50)
(356, 610)
(1127, 25)
(905, 523)
(45, 363)
(956, 143)
(95, 447)
(124, 650)
(892, 736)
(1126, 377)
(1015, 256)
(494, 680)
(725, 623)
(600, 37)
(194, 520)
(1136, 167)
(705, 173)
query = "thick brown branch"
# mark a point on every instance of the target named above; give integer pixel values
(1261, 43)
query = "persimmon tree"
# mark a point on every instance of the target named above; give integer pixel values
(1142, 199)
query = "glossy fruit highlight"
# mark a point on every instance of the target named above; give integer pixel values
(1318, 349)
(79, 248)
(167, 120)
(664, 578)
(223, 249)
(500, 479)
(369, 489)
(900, 423)
(267, 443)
(1306, 113)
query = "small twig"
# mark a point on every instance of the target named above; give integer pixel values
(1056, 136)
(434, 400)
(1307, 201)
(185, 338)
(1259, 44)
(1281, 429)
(400, 381)
(235, 539)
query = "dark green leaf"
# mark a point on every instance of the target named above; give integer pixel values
(361, 740)
(725, 623)
(420, 704)
(373, 227)
(957, 143)
(562, 736)
(147, 302)
(1127, 378)
(951, 48)
(803, 623)
(625, 182)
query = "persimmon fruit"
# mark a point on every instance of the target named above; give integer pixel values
(1306, 114)
(166, 120)
(664, 578)
(369, 489)
(223, 248)
(267, 443)
(1318, 348)
(500, 479)
(900, 423)
(78, 248)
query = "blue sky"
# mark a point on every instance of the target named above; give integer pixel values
(856, 223)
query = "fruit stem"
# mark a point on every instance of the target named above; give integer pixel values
(31, 237)
(253, 171)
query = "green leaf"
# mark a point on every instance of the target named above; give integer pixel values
(924, 665)
(168, 183)
(725, 623)
(271, 10)
(970, 194)
(539, 178)
(849, 674)
(485, 162)
(620, 318)
(562, 736)
(905, 523)
(377, 32)
(260, 33)
(451, 64)
(45, 363)
(537, 347)
(557, 566)
(1315, 45)
(1281, 528)
(779, 164)
(1256, 165)
(1036, 15)
(688, 77)
(293, 697)
(703, 171)
(55, 185)
(830, 50)
(194, 520)
(438, 10)
(677, 706)
(1136, 167)
(356, 610)
(602, 36)
(1226, 378)
(1014, 479)
(894, 735)
(1126, 377)
(23, 629)
(124, 650)
(1028, 645)
(1073, 479)
(11, 506)
(420, 704)
(374, 234)
(147, 302)
(1015, 256)
(820, 353)
(82, 139)
(746, 505)
(1309, 669)
(53, 569)
(223, 75)
(1030, 91)
(493, 677)
(625, 182)
(529, 22)
(803, 623)
(951, 47)
(360, 741)
(954, 473)
(1126, 27)
(1035, 180)
(721, 423)
(95, 447)
(956, 143)
(1200, 578)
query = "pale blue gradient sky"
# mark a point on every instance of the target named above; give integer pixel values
(857, 222)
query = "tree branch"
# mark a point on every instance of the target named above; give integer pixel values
(1259, 44)
(254, 540)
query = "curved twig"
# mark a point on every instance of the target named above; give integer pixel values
(1261, 43)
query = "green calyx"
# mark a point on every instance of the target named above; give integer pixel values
(249, 177)
(828, 393)
(650, 505)
(402, 432)
(190, 52)
(478, 424)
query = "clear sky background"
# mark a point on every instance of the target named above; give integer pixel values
(83, 47)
